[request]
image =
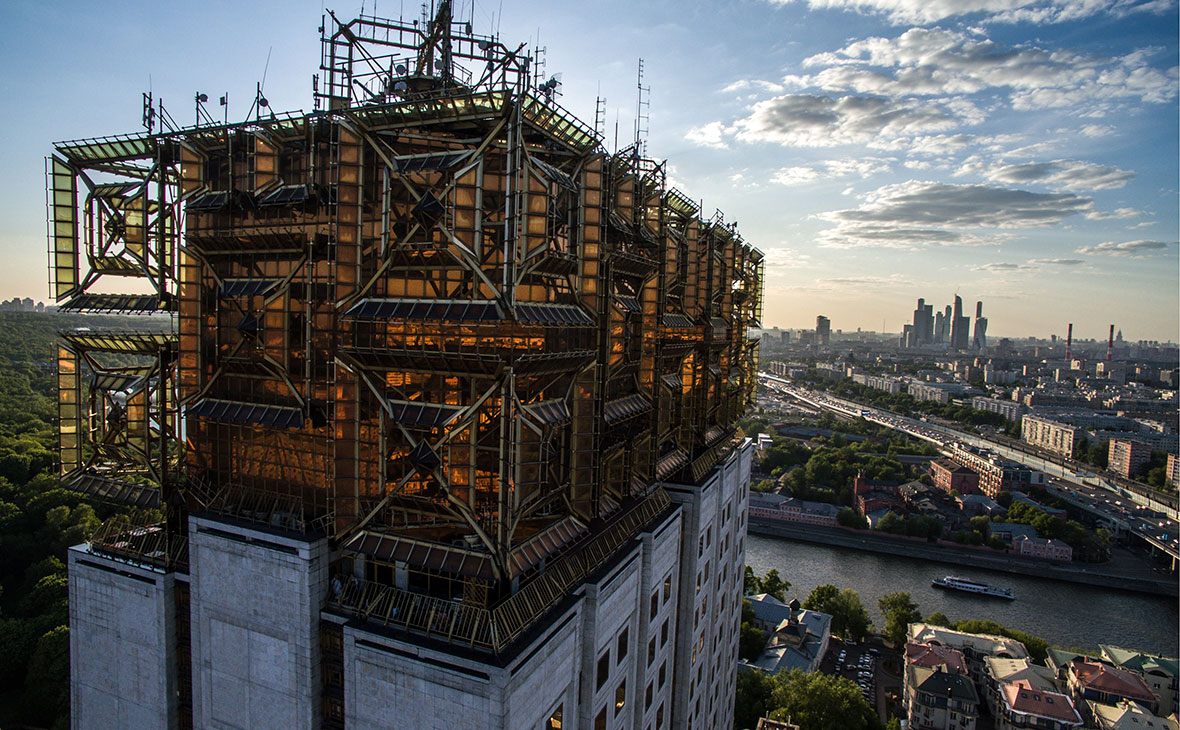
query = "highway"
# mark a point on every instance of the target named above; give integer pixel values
(1153, 521)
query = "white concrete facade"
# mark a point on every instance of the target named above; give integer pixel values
(607, 638)
(647, 641)
(713, 561)
(255, 605)
(122, 644)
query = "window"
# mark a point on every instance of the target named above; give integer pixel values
(620, 696)
(663, 674)
(667, 587)
(660, 716)
(554, 722)
(655, 605)
(651, 651)
(603, 670)
(600, 720)
(664, 633)
(621, 648)
(647, 697)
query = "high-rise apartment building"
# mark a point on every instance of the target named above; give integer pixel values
(960, 326)
(979, 338)
(444, 432)
(823, 330)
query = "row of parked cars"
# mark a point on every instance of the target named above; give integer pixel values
(863, 665)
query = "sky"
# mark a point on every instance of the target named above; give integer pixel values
(1019, 152)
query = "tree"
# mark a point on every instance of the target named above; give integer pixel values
(899, 611)
(751, 642)
(773, 585)
(819, 701)
(821, 597)
(938, 618)
(1037, 647)
(849, 617)
(752, 699)
(849, 517)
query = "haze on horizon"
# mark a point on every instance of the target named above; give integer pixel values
(1019, 152)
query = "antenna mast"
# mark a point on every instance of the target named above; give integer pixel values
(600, 116)
(642, 112)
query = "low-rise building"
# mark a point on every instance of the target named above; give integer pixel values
(938, 392)
(1009, 409)
(1127, 457)
(1024, 705)
(1000, 671)
(1127, 716)
(1161, 673)
(1172, 471)
(789, 509)
(1009, 531)
(950, 476)
(933, 655)
(1039, 547)
(1094, 681)
(936, 699)
(974, 647)
(1048, 434)
(996, 474)
(798, 638)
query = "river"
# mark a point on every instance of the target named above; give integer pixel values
(1065, 614)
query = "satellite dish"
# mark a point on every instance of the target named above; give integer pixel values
(484, 45)
(400, 87)
(202, 98)
(401, 69)
(263, 102)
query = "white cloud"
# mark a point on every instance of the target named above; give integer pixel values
(999, 268)
(1127, 249)
(809, 120)
(831, 169)
(915, 214)
(1096, 130)
(708, 135)
(753, 85)
(1011, 11)
(1116, 214)
(940, 62)
(1055, 262)
(1071, 175)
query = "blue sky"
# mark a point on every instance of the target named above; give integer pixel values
(1022, 152)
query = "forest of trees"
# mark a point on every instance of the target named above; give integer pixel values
(38, 521)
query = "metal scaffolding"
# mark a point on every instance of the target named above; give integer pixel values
(433, 320)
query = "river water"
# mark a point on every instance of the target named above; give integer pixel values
(1065, 614)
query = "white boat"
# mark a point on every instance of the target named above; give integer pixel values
(970, 586)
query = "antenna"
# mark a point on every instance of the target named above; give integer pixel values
(149, 112)
(599, 115)
(642, 111)
(551, 88)
(539, 54)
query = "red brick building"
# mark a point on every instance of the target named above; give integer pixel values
(950, 476)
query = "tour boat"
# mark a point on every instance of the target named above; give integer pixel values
(969, 586)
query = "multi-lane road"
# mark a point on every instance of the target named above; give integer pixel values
(1152, 521)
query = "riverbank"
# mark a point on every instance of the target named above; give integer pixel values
(1086, 574)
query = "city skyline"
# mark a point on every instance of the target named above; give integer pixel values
(1022, 153)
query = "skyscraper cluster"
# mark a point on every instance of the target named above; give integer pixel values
(949, 327)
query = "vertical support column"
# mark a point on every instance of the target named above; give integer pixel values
(122, 644)
(69, 414)
(584, 490)
(256, 596)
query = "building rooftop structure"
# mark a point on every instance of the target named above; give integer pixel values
(933, 655)
(798, 638)
(433, 329)
(1128, 716)
(1026, 705)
